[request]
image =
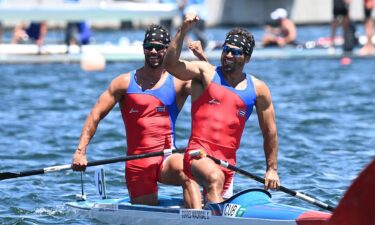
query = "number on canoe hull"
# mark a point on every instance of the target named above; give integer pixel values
(233, 210)
(100, 183)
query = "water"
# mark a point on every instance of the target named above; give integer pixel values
(324, 114)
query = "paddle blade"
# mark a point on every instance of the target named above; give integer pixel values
(8, 175)
(357, 205)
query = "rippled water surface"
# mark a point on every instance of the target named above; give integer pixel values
(324, 111)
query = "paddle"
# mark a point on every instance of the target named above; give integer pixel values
(261, 180)
(9, 175)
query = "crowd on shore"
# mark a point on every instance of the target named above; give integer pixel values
(281, 31)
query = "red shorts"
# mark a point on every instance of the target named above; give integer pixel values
(216, 151)
(142, 175)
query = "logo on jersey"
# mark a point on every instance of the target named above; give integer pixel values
(160, 108)
(133, 110)
(241, 112)
(214, 101)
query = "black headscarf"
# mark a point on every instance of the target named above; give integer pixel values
(239, 41)
(157, 33)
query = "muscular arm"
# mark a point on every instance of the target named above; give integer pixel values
(103, 106)
(266, 119)
(182, 69)
(183, 88)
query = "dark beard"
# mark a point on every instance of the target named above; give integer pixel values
(152, 65)
(231, 68)
(228, 69)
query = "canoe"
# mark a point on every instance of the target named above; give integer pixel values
(252, 206)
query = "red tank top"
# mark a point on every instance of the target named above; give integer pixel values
(220, 113)
(149, 117)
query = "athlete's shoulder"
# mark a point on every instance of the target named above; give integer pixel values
(121, 82)
(255, 80)
(260, 86)
(125, 77)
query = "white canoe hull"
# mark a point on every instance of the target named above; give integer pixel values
(145, 217)
(251, 206)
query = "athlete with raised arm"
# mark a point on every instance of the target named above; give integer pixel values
(222, 100)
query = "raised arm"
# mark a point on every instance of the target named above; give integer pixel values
(266, 118)
(103, 106)
(197, 49)
(182, 69)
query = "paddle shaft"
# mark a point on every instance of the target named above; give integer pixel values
(281, 188)
(10, 175)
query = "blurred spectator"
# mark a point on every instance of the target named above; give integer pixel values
(198, 7)
(284, 34)
(368, 48)
(77, 33)
(35, 32)
(340, 17)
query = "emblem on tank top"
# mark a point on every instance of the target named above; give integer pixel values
(214, 101)
(133, 110)
(160, 108)
(241, 112)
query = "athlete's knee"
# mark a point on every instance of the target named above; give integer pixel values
(174, 162)
(173, 166)
(215, 180)
(184, 179)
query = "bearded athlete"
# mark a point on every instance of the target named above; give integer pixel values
(150, 100)
(222, 100)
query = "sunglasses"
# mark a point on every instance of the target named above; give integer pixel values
(235, 51)
(150, 46)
